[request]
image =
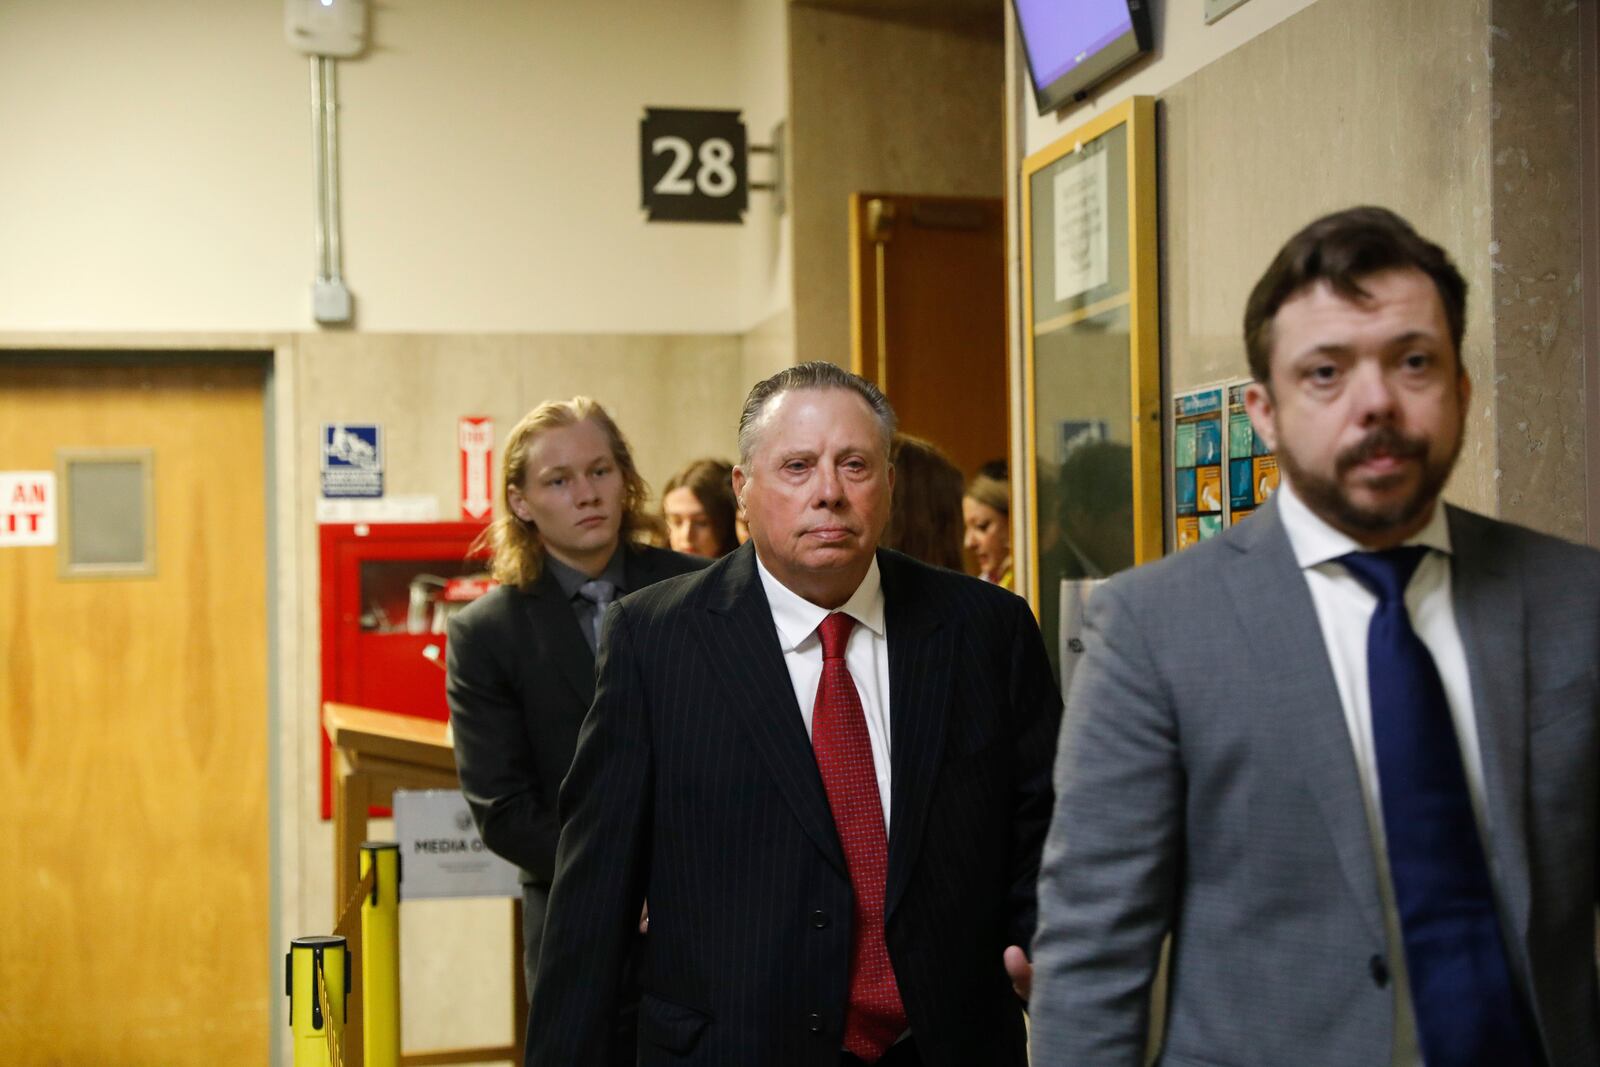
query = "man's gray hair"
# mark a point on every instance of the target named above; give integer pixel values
(815, 375)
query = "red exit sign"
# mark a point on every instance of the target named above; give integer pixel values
(27, 508)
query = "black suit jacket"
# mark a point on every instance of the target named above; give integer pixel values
(521, 677)
(694, 785)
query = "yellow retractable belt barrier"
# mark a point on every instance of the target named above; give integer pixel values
(380, 955)
(318, 985)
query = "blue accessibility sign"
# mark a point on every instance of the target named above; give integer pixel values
(352, 460)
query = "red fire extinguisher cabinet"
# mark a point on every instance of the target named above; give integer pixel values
(382, 617)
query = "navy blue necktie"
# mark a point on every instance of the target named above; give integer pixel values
(1466, 1008)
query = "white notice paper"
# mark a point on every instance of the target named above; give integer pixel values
(1075, 595)
(441, 854)
(27, 508)
(1082, 250)
(419, 508)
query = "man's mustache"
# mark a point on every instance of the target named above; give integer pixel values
(1385, 439)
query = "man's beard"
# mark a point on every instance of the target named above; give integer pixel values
(1327, 496)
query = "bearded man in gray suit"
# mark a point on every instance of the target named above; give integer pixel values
(1345, 755)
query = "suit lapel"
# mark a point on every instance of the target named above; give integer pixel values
(1490, 612)
(1298, 696)
(920, 656)
(748, 660)
(555, 627)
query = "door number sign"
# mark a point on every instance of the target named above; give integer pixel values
(693, 165)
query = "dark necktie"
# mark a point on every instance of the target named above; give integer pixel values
(600, 593)
(1461, 991)
(874, 1017)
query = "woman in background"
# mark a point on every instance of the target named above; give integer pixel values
(986, 510)
(699, 509)
(925, 517)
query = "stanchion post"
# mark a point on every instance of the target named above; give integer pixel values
(380, 955)
(329, 956)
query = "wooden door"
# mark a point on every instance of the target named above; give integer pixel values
(928, 317)
(133, 735)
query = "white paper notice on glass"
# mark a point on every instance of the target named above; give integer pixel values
(1082, 242)
(1075, 595)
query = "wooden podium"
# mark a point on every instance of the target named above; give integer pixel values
(375, 753)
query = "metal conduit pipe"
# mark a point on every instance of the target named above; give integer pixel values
(317, 145)
(330, 161)
(330, 298)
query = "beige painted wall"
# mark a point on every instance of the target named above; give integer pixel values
(157, 170)
(766, 255)
(884, 105)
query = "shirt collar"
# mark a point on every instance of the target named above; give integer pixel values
(797, 618)
(570, 578)
(1315, 542)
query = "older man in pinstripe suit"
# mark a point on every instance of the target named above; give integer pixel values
(827, 768)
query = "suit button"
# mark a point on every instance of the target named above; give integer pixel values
(814, 1023)
(819, 919)
(1379, 969)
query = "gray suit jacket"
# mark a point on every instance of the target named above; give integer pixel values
(1206, 788)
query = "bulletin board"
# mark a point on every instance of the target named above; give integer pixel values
(1091, 361)
(1222, 470)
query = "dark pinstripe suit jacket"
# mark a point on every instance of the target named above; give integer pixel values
(694, 784)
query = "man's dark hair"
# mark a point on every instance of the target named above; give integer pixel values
(815, 375)
(925, 513)
(1342, 249)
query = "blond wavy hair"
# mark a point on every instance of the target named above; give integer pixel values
(516, 550)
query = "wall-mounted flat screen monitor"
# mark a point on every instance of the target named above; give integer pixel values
(1074, 44)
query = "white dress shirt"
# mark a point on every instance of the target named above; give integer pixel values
(1344, 611)
(866, 654)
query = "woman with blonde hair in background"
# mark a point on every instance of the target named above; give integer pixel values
(700, 510)
(986, 511)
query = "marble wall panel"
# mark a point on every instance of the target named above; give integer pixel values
(1346, 102)
(1535, 257)
(880, 104)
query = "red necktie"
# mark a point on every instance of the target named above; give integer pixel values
(875, 1017)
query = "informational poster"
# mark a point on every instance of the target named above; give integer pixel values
(1197, 465)
(27, 508)
(352, 460)
(441, 854)
(413, 507)
(1252, 468)
(1222, 469)
(1083, 252)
